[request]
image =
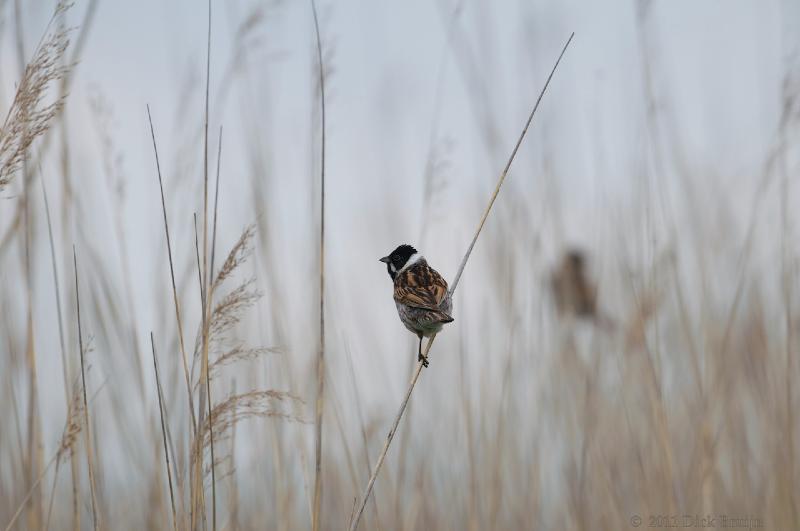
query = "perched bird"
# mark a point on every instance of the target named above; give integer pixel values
(420, 294)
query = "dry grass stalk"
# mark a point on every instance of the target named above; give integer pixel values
(69, 437)
(74, 423)
(364, 438)
(320, 404)
(220, 424)
(212, 339)
(87, 431)
(205, 391)
(161, 408)
(29, 115)
(363, 502)
(57, 289)
(172, 278)
(66, 448)
(216, 203)
(233, 490)
(27, 118)
(30, 492)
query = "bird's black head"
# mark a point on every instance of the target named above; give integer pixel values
(397, 259)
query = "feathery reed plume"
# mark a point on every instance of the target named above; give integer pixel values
(161, 408)
(75, 418)
(235, 408)
(88, 431)
(72, 428)
(69, 436)
(213, 338)
(223, 418)
(227, 312)
(29, 115)
(363, 502)
(66, 447)
(238, 254)
(320, 404)
(239, 353)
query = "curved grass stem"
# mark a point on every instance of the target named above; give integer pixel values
(418, 371)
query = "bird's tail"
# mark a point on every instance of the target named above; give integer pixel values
(442, 317)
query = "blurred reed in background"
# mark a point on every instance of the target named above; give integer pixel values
(651, 377)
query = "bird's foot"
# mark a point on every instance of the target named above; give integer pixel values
(423, 359)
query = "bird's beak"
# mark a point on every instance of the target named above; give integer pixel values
(385, 259)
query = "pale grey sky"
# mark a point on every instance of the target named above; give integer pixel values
(716, 68)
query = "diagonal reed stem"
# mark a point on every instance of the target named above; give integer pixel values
(193, 424)
(161, 408)
(396, 423)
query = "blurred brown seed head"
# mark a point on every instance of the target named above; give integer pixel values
(575, 294)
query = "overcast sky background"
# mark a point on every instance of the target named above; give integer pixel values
(404, 76)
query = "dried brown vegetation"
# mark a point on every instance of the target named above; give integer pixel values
(528, 418)
(31, 114)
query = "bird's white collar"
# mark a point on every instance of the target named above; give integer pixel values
(416, 257)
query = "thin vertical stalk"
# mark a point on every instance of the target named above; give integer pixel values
(164, 434)
(210, 294)
(205, 388)
(320, 404)
(233, 490)
(197, 444)
(786, 289)
(64, 367)
(216, 204)
(172, 278)
(34, 431)
(199, 269)
(88, 431)
(52, 496)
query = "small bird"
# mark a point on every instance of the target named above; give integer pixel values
(420, 294)
(575, 294)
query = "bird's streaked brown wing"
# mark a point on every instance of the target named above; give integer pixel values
(420, 286)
